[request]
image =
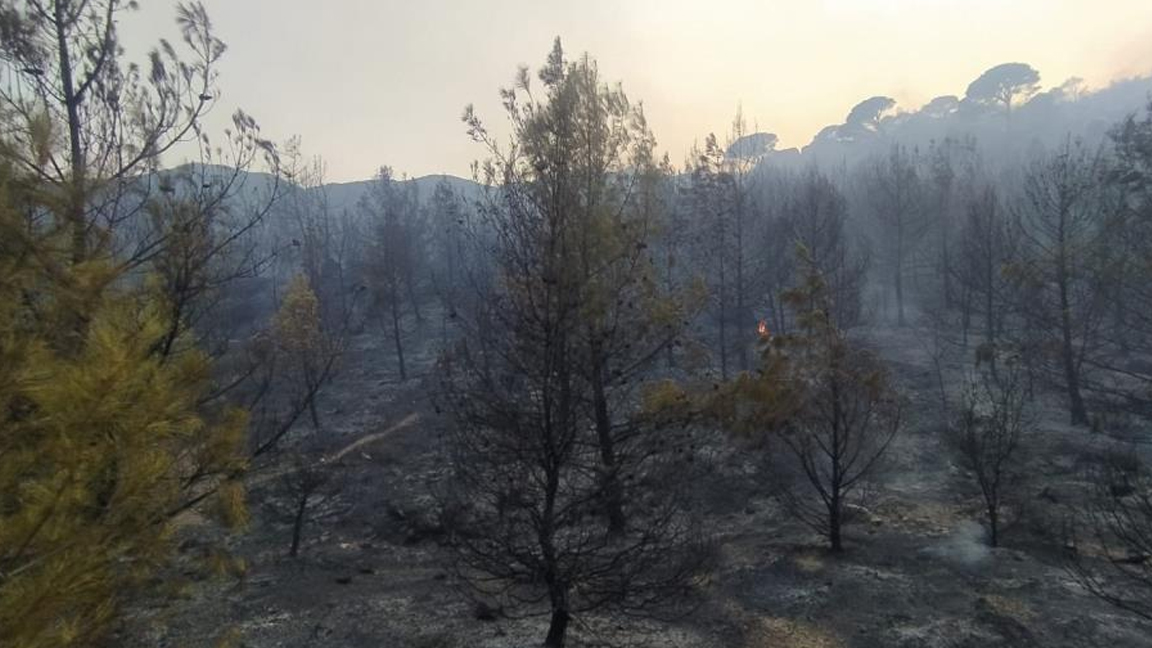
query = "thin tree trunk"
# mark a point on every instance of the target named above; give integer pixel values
(613, 497)
(1075, 400)
(994, 525)
(834, 523)
(557, 591)
(741, 337)
(946, 257)
(723, 326)
(396, 338)
(836, 485)
(989, 312)
(900, 279)
(312, 412)
(298, 525)
(557, 628)
(670, 286)
(1068, 354)
(72, 103)
(410, 286)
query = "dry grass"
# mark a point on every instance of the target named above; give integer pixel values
(775, 632)
(809, 563)
(930, 519)
(1010, 607)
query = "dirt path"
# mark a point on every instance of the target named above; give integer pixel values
(919, 482)
(265, 476)
(375, 436)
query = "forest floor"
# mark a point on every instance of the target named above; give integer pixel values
(916, 573)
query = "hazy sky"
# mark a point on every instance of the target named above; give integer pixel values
(371, 82)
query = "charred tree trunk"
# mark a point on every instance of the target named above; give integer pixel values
(557, 627)
(312, 411)
(1067, 352)
(397, 338)
(989, 305)
(836, 485)
(410, 287)
(740, 289)
(613, 498)
(946, 260)
(900, 278)
(62, 21)
(994, 525)
(670, 286)
(834, 524)
(557, 587)
(723, 323)
(298, 525)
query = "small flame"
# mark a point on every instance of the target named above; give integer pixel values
(762, 329)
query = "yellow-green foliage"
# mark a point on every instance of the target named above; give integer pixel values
(298, 320)
(755, 404)
(300, 335)
(102, 441)
(758, 404)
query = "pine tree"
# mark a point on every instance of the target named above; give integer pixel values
(103, 440)
(300, 336)
(559, 466)
(393, 257)
(823, 407)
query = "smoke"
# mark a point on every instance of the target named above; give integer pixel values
(967, 545)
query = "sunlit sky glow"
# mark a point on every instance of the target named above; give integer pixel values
(371, 82)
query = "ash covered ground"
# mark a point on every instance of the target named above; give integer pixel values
(917, 571)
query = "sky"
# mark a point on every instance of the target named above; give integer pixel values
(371, 82)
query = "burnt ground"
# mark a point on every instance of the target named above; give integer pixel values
(916, 573)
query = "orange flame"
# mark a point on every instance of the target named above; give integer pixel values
(762, 329)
